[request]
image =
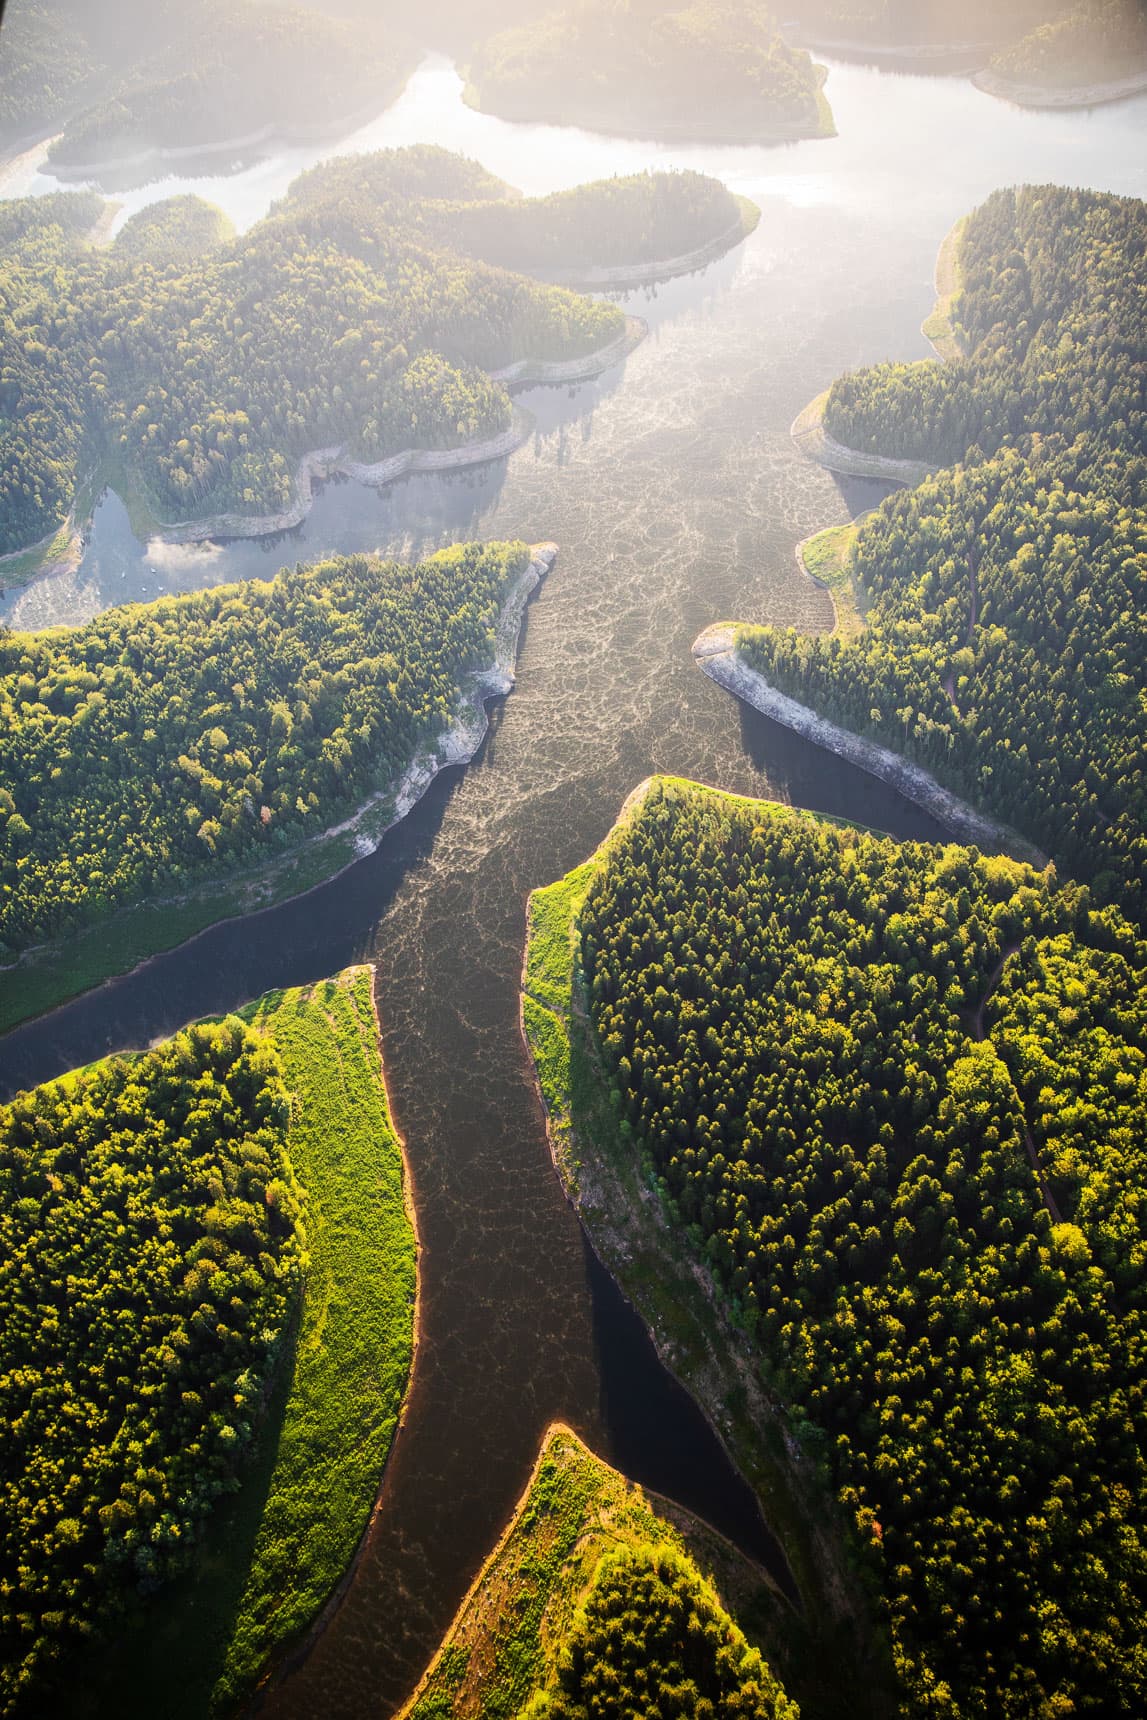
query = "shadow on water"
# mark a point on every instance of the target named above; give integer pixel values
(660, 1438)
(822, 783)
(295, 943)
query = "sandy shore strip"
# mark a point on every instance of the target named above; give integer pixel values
(320, 464)
(715, 652)
(1070, 96)
(811, 437)
(937, 327)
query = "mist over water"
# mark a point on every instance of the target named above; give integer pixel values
(677, 497)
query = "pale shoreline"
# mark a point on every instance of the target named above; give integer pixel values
(1047, 97)
(289, 1655)
(321, 464)
(807, 429)
(622, 275)
(456, 745)
(716, 655)
(324, 463)
(813, 440)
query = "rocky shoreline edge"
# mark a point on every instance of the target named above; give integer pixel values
(321, 464)
(716, 655)
(811, 437)
(1070, 96)
(808, 431)
(624, 275)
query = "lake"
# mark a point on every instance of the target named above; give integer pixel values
(677, 497)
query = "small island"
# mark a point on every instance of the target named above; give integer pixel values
(823, 1100)
(718, 74)
(596, 1585)
(204, 1414)
(1035, 53)
(1082, 56)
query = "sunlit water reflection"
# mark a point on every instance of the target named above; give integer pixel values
(677, 497)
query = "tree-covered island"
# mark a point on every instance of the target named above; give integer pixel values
(165, 756)
(713, 69)
(1004, 647)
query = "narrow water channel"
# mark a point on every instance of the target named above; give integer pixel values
(677, 497)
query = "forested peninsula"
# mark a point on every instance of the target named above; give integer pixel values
(889, 1099)
(1039, 53)
(314, 328)
(167, 758)
(1004, 649)
(207, 1298)
(714, 71)
(599, 1600)
(369, 315)
(130, 88)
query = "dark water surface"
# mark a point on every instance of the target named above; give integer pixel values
(677, 497)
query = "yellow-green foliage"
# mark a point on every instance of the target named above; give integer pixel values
(546, 997)
(893, 1098)
(178, 229)
(271, 1557)
(694, 68)
(652, 1638)
(1095, 42)
(580, 1532)
(167, 739)
(150, 1253)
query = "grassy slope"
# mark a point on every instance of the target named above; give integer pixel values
(825, 557)
(273, 1553)
(834, 1660)
(938, 326)
(502, 1645)
(51, 973)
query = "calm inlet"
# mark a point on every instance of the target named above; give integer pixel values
(676, 496)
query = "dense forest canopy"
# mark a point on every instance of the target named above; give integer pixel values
(1005, 647)
(455, 205)
(936, 23)
(325, 324)
(895, 1098)
(151, 1252)
(162, 740)
(597, 1602)
(652, 1638)
(1101, 40)
(176, 230)
(1051, 315)
(127, 77)
(711, 68)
